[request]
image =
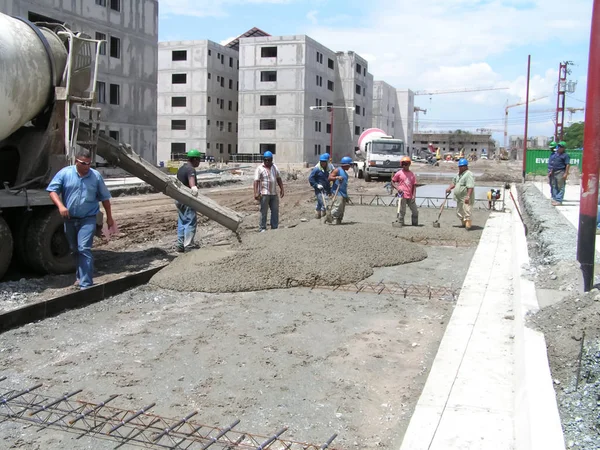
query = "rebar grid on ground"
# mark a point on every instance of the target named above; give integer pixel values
(133, 427)
(428, 202)
(394, 289)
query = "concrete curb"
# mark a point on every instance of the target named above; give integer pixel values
(537, 421)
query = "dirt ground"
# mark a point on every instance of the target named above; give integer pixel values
(569, 319)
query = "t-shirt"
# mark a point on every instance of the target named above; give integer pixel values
(405, 180)
(185, 172)
(560, 162)
(267, 178)
(462, 183)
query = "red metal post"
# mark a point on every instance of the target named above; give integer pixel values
(526, 115)
(588, 206)
(560, 102)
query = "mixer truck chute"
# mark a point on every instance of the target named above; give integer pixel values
(48, 97)
(378, 155)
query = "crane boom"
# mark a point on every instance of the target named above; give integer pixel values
(457, 91)
(506, 108)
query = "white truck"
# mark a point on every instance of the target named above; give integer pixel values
(378, 155)
(48, 110)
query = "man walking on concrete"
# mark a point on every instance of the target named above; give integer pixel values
(559, 171)
(319, 181)
(187, 221)
(464, 192)
(266, 180)
(76, 191)
(339, 177)
(405, 182)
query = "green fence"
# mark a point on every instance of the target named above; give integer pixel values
(537, 160)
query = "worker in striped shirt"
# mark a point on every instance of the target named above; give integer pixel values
(266, 180)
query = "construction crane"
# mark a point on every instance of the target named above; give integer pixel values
(571, 111)
(417, 109)
(506, 116)
(458, 91)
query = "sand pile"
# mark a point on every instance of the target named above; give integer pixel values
(293, 257)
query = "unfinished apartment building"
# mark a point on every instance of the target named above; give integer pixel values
(128, 62)
(197, 99)
(281, 78)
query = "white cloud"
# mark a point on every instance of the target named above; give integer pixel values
(312, 16)
(207, 8)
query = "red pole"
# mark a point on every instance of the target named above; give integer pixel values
(331, 138)
(526, 115)
(588, 206)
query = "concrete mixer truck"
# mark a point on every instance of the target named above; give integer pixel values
(48, 98)
(378, 154)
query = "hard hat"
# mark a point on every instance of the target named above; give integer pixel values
(346, 160)
(267, 155)
(562, 144)
(552, 144)
(405, 159)
(324, 157)
(463, 162)
(193, 153)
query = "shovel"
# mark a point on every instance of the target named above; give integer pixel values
(436, 224)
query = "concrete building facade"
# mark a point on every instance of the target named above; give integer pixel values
(386, 113)
(406, 107)
(197, 99)
(472, 143)
(127, 75)
(281, 77)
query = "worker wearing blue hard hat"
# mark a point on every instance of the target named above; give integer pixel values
(339, 177)
(463, 185)
(266, 180)
(319, 181)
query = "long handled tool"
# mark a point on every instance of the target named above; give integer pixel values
(436, 224)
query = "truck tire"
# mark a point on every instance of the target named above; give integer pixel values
(6, 246)
(20, 238)
(367, 177)
(47, 247)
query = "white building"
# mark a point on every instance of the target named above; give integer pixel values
(128, 63)
(406, 108)
(472, 143)
(197, 99)
(281, 77)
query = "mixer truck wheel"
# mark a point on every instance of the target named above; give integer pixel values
(20, 237)
(47, 247)
(6, 246)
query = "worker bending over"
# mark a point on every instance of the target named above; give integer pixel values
(405, 182)
(187, 222)
(464, 192)
(319, 181)
(339, 177)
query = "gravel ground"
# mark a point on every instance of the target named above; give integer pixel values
(571, 323)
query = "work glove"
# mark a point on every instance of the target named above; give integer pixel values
(320, 187)
(195, 191)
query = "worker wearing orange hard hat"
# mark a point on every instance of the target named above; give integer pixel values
(405, 182)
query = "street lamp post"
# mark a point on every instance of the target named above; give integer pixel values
(331, 108)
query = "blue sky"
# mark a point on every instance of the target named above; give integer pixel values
(426, 45)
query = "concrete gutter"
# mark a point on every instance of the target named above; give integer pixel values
(537, 421)
(490, 385)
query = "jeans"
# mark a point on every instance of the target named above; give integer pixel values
(80, 235)
(320, 204)
(186, 225)
(269, 202)
(558, 186)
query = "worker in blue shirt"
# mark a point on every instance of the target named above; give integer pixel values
(319, 181)
(559, 171)
(76, 191)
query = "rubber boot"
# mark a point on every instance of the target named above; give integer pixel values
(468, 224)
(415, 221)
(317, 214)
(338, 221)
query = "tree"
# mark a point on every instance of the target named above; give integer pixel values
(573, 135)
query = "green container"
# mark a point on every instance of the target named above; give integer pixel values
(537, 160)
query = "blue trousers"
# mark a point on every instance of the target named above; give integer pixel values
(269, 202)
(320, 204)
(558, 186)
(80, 235)
(186, 224)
